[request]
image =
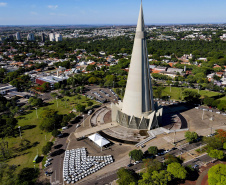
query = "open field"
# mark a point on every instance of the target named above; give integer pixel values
(30, 130)
(177, 92)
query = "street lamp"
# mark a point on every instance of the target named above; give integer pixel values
(36, 111)
(174, 137)
(57, 101)
(83, 120)
(170, 87)
(202, 114)
(20, 132)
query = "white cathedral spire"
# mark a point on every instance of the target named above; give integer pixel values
(138, 98)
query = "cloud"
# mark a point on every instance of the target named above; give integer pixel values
(33, 13)
(3, 4)
(53, 6)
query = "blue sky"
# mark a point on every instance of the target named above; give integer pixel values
(45, 12)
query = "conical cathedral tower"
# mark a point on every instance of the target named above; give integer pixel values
(138, 98)
(137, 110)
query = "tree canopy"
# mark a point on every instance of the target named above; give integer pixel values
(136, 155)
(126, 177)
(153, 150)
(217, 175)
(191, 136)
(177, 170)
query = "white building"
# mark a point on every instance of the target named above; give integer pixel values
(55, 37)
(18, 37)
(31, 37)
(58, 37)
(51, 37)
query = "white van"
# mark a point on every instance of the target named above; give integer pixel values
(90, 112)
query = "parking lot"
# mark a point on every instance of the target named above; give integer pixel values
(102, 95)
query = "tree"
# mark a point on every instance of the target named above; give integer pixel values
(224, 146)
(213, 143)
(191, 136)
(125, 177)
(221, 134)
(34, 101)
(65, 120)
(217, 154)
(80, 108)
(55, 133)
(171, 159)
(89, 103)
(216, 175)
(50, 120)
(152, 165)
(177, 170)
(91, 68)
(45, 86)
(7, 174)
(47, 148)
(136, 155)
(153, 150)
(161, 178)
(9, 126)
(191, 96)
(28, 176)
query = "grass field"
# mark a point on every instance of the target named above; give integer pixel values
(30, 130)
(223, 98)
(177, 92)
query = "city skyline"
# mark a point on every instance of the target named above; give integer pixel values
(83, 12)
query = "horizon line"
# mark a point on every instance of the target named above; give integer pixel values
(149, 24)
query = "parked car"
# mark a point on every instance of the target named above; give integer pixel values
(90, 112)
(50, 159)
(129, 165)
(47, 164)
(60, 135)
(64, 128)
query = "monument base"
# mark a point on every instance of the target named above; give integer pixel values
(147, 121)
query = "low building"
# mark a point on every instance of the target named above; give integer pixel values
(176, 70)
(6, 88)
(50, 79)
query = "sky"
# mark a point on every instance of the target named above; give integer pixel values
(110, 12)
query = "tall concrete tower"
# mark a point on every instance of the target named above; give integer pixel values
(137, 109)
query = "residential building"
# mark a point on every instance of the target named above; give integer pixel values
(18, 37)
(52, 37)
(31, 37)
(58, 37)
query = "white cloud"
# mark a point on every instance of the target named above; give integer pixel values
(33, 13)
(3, 4)
(53, 6)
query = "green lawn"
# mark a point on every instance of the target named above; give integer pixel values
(176, 92)
(34, 134)
(223, 98)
